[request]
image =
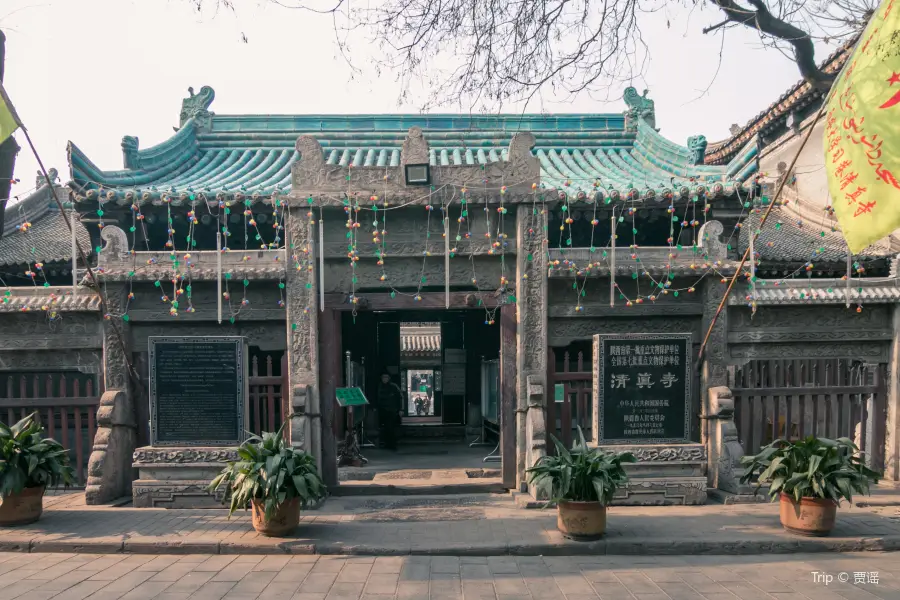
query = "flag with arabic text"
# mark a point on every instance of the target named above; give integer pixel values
(9, 120)
(862, 134)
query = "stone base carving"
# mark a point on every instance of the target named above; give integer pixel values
(534, 444)
(178, 477)
(681, 491)
(109, 467)
(725, 450)
(665, 474)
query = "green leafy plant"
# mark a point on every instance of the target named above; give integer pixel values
(582, 474)
(272, 471)
(29, 460)
(811, 468)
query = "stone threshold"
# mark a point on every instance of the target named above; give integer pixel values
(611, 547)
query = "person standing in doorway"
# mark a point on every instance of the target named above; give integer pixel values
(390, 411)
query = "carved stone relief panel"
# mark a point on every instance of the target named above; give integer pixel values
(329, 185)
(562, 332)
(39, 331)
(531, 331)
(266, 335)
(262, 298)
(596, 291)
(85, 361)
(412, 225)
(812, 317)
(871, 351)
(301, 297)
(408, 273)
(116, 336)
(812, 331)
(713, 292)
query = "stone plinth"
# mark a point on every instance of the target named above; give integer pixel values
(669, 474)
(178, 477)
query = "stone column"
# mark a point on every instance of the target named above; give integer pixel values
(531, 332)
(714, 370)
(109, 467)
(892, 427)
(302, 308)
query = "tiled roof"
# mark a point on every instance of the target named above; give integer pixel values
(28, 299)
(418, 344)
(48, 239)
(787, 239)
(823, 291)
(251, 156)
(799, 96)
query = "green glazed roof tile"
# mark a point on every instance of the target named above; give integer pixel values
(253, 154)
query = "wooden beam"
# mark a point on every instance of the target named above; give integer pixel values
(646, 309)
(329, 380)
(381, 301)
(508, 394)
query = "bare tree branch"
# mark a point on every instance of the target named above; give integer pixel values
(501, 51)
(768, 24)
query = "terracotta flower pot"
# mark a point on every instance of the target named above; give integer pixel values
(581, 521)
(810, 516)
(22, 508)
(284, 520)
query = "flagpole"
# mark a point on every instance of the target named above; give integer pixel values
(103, 304)
(762, 222)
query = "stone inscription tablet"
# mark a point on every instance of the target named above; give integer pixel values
(642, 386)
(197, 391)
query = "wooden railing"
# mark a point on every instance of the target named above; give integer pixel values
(576, 408)
(65, 403)
(794, 399)
(268, 405)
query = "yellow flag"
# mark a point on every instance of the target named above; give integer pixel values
(862, 134)
(9, 120)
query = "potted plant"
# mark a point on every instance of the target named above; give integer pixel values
(274, 479)
(810, 477)
(582, 482)
(29, 463)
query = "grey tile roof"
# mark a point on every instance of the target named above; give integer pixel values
(787, 239)
(48, 238)
(824, 291)
(28, 299)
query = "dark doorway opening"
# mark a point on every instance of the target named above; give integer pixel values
(434, 358)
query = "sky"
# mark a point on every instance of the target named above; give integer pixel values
(93, 71)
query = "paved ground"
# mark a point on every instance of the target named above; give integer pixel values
(868, 576)
(482, 525)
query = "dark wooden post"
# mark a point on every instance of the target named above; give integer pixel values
(508, 394)
(330, 379)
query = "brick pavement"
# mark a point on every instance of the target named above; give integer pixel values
(269, 577)
(487, 525)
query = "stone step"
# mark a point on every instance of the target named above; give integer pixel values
(418, 487)
(364, 474)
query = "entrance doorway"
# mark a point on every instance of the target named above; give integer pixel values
(434, 360)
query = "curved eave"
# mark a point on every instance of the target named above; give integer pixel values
(243, 164)
(799, 95)
(143, 167)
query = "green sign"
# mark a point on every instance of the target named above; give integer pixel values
(350, 397)
(559, 392)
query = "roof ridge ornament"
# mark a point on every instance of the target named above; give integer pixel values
(697, 145)
(196, 106)
(639, 107)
